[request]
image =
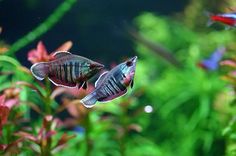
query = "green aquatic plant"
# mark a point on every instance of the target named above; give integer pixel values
(186, 119)
(229, 108)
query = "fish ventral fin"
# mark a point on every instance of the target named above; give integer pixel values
(132, 83)
(89, 100)
(60, 54)
(83, 85)
(101, 77)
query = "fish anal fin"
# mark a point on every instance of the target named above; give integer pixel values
(60, 54)
(109, 98)
(58, 82)
(101, 77)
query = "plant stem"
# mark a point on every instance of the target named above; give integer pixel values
(42, 28)
(123, 123)
(87, 133)
(122, 146)
(47, 98)
(46, 149)
(46, 144)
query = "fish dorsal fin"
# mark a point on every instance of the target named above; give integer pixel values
(60, 54)
(101, 77)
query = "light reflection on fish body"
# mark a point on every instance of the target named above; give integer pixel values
(112, 84)
(67, 70)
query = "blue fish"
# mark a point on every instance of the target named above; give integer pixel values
(112, 84)
(212, 62)
(67, 70)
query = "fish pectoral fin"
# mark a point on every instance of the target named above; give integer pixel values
(132, 83)
(60, 54)
(85, 85)
(101, 77)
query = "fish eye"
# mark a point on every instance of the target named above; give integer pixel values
(129, 63)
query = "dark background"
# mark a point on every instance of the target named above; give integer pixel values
(95, 27)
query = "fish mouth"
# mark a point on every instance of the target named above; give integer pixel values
(134, 59)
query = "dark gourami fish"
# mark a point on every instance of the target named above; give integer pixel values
(67, 70)
(226, 18)
(112, 84)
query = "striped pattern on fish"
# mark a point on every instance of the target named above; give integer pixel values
(112, 84)
(67, 70)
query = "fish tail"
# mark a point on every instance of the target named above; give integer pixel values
(89, 100)
(209, 14)
(40, 70)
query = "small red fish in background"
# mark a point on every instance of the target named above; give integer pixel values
(228, 19)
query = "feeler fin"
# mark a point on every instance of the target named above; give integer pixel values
(132, 83)
(85, 85)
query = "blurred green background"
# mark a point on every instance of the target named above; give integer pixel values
(175, 108)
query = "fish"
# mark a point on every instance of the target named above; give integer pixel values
(112, 84)
(212, 63)
(67, 70)
(228, 19)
